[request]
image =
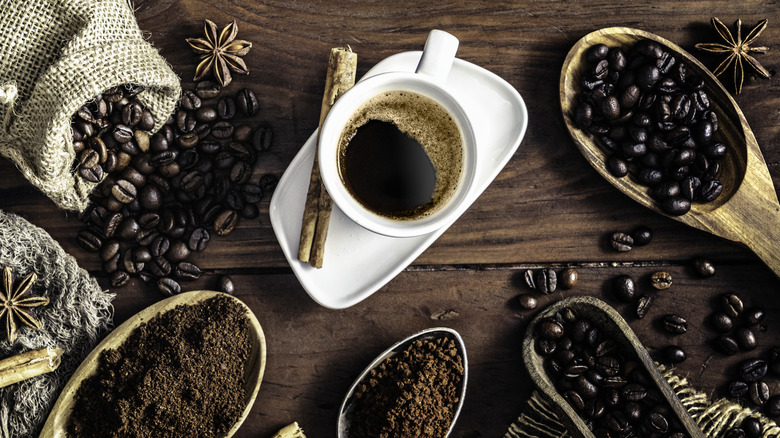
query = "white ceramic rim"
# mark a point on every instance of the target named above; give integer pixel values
(328, 144)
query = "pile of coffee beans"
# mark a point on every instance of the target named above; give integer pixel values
(603, 383)
(624, 242)
(545, 281)
(654, 117)
(165, 196)
(750, 388)
(737, 326)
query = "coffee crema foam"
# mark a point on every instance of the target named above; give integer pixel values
(425, 120)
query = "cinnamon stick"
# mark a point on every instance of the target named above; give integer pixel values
(27, 365)
(342, 66)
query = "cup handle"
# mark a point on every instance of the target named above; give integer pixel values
(438, 54)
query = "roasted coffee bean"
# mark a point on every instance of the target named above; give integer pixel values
(111, 224)
(122, 133)
(673, 354)
(529, 276)
(185, 121)
(119, 278)
(252, 193)
(585, 388)
(198, 240)
(746, 338)
(550, 329)
(732, 305)
(575, 400)
(206, 114)
(753, 369)
(225, 285)
(177, 251)
(128, 228)
(262, 138)
(727, 345)
(222, 130)
(661, 280)
(268, 183)
(225, 222)
(617, 166)
(159, 246)
(109, 250)
(168, 286)
(624, 288)
(246, 101)
(634, 392)
(187, 271)
(656, 423)
(546, 347)
(92, 174)
(240, 172)
(722, 322)
(643, 305)
(226, 108)
(676, 205)
(159, 267)
(735, 432)
(188, 141)
(89, 240)
(703, 267)
(568, 278)
(151, 197)
(674, 324)
(189, 100)
(546, 280)
(621, 242)
(752, 427)
(207, 89)
(249, 211)
(754, 316)
(758, 392)
(132, 114)
(772, 406)
(642, 235)
(608, 366)
(737, 389)
(710, 190)
(527, 301)
(89, 158)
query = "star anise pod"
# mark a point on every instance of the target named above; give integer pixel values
(15, 306)
(738, 50)
(220, 52)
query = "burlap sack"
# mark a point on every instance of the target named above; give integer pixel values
(78, 315)
(56, 55)
(540, 419)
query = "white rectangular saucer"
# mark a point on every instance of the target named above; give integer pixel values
(358, 262)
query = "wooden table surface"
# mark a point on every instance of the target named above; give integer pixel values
(547, 207)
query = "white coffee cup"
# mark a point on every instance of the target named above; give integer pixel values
(429, 81)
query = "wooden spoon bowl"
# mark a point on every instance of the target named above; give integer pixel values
(612, 326)
(56, 423)
(747, 211)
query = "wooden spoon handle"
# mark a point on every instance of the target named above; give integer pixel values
(764, 240)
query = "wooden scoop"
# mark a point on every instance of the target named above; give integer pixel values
(57, 422)
(747, 211)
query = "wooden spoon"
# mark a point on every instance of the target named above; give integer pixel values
(57, 422)
(433, 333)
(747, 211)
(612, 326)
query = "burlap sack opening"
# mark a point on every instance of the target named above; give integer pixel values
(78, 315)
(56, 55)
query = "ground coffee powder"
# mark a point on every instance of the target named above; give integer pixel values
(180, 374)
(412, 394)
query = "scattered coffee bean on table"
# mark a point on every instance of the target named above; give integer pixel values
(653, 117)
(186, 364)
(166, 195)
(414, 393)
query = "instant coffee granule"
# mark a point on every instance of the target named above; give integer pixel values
(180, 374)
(412, 394)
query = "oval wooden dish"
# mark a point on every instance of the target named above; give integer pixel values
(614, 327)
(55, 426)
(747, 211)
(432, 333)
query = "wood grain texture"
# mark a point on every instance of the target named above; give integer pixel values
(547, 208)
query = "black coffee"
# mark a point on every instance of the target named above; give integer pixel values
(388, 171)
(401, 155)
